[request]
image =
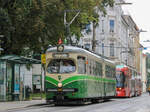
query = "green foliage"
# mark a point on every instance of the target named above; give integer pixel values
(5, 28)
(36, 24)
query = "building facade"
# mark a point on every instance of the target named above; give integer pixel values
(144, 74)
(115, 37)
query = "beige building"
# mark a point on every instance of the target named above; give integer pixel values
(137, 51)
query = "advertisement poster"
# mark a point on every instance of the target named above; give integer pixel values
(2, 72)
(17, 80)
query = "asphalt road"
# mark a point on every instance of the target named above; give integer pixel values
(135, 104)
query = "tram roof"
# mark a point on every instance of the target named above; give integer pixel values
(74, 49)
(19, 59)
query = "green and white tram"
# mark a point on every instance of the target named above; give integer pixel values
(75, 74)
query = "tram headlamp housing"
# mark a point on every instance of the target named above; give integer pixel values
(60, 48)
(59, 84)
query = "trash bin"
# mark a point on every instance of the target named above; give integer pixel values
(27, 92)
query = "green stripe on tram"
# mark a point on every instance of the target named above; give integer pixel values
(85, 77)
(79, 77)
(51, 80)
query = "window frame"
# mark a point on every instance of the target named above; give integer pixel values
(73, 60)
(112, 49)
(85, 66)
(111, 25)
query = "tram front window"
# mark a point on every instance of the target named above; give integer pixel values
(120, 79)
(61, 66)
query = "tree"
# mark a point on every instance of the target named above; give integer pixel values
(5, 28)
(33, 25)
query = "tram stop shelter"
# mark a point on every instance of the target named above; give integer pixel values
(11, 79)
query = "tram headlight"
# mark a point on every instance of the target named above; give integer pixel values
(60, 85)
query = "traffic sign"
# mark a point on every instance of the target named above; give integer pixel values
(43, 58)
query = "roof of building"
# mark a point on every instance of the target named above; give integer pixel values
(20, 59)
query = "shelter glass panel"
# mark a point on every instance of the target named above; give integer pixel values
(2, 81)
(9, 82)
(17, 79)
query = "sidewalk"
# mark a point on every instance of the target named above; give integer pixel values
(19, 104)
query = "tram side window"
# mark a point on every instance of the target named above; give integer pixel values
(108, 71)
(94, 68)
(98, 69)
(113, 71)
(90, 67)
(81, 65)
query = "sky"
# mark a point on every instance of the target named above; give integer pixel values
(140, 12)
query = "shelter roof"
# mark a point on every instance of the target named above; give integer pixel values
(20, 59)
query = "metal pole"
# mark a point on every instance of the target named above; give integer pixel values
(94, 38)
(67, 24)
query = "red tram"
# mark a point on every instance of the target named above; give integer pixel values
(128, 82)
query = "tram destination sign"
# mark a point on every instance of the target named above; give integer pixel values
(60, 55)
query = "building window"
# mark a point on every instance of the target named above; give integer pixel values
(102, 26)
(112, 25)
(88, 28)
(112, 49)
